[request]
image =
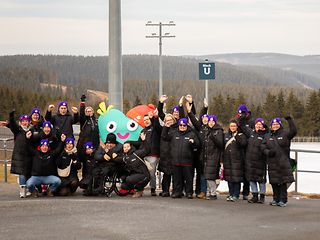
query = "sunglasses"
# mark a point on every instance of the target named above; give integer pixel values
(182, 125)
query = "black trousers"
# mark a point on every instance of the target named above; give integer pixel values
(246, 188)
(280, 192)
(183, 176)
(166, 181)
(136, 181)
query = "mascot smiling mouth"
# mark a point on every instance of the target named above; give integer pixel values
(123, 136)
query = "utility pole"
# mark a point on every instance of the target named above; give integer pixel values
(160, 36)
(115, 56)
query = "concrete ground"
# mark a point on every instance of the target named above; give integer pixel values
(79, 217)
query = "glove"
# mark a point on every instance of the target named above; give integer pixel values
(11, 114)
(271, 153)
(287, 117)
(83, 98)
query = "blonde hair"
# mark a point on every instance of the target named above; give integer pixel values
(171, 116)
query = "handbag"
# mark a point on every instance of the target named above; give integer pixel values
(66, 171)
(148, 165)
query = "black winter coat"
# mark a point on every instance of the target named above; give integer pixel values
(181, 149)
(21, 162)
(255, 160)
(101, 163)
(233, 157)
(52, 138)
(133, 161)
(63, 123)
(279, 142)
(165, 163)
(63, 161)
(44, 164)
(89, 130)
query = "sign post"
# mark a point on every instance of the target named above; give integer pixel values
(206, 72)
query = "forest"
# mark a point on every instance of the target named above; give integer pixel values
(27, 81)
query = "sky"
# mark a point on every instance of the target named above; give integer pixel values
(80, 27)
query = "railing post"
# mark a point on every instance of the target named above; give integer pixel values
(296, 172)
(5, 161)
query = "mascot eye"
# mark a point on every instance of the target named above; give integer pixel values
(132, 125)
(111, 126)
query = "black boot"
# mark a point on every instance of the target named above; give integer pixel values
(254, 198)
(262, 198)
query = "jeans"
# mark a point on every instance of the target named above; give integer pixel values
(53, 182)
(22, 180)
(154, 162)
(254, 187)
(234, 189)
(203, 184)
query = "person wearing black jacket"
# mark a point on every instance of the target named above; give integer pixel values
(68, 159)
(46, 132)
(183, 142)
(165, 163)
(255, 161)
(44, 167)
(86, 182)
(89, 131)
(103, 167)
(245, 119)
(36, 120)
(233, 160)
(276, 146)
(63, 120)
(132, 161)
(21, 162)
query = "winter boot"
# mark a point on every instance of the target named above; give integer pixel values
(254, 198)
(262, 198)
(137, 194)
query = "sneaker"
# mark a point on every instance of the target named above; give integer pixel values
(34, 194)
(165, 194)
(281, 204)
(234, 199)
(229, 198)
(23, 192)
(176, 195)
(137, 194)
(273, 203)
(213, 197)
(189, 196)
(28, 193)
(201, 195)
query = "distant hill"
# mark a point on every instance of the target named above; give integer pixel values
(77, 74)
(309, 64)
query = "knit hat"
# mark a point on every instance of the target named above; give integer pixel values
(70, 140)
(213, 118)
(24, 117)
(243, 108)
(47, 124)
(274, 120)
(44, 142)
(204, 115)
(87, 108)
(35, 110)
(175, 109)
(111, 138)
(65, 104)
(259, 120)
(183, 121)
(88, 145)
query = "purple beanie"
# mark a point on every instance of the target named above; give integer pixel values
(243, 108)
(88, 145)
(175, 108)
(259, 120)
(35, 110)
(183, 121)
(204, 115)
(70, 140)
(44, 142)
(64, 103)
(47, 124)
(274, 120)
(213, 117)
(24, 117)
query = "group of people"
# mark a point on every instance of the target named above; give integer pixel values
(178, 144)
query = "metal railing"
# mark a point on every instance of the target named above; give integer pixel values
(5, 161)
(296, 157)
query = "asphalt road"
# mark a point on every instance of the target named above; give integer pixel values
(80, 217)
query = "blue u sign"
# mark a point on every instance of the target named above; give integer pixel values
(206, 71)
